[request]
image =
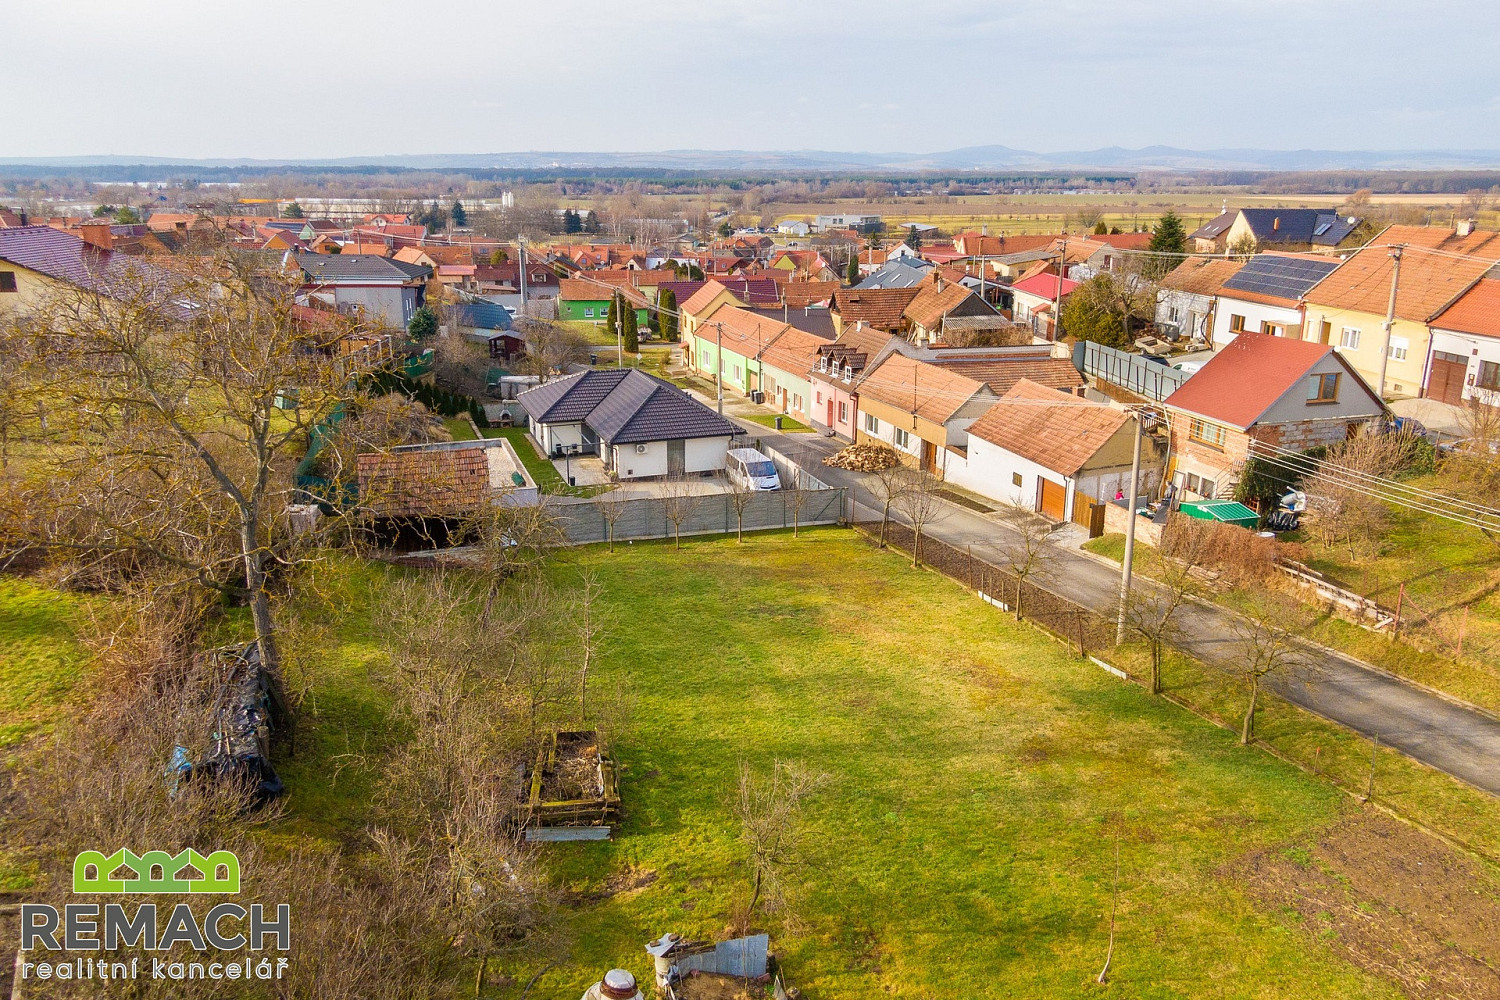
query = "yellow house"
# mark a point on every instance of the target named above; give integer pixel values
(37, 261)
(701, 305)
(1347, 309)
(922, 410)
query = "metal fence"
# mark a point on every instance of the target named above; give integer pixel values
(587, 521)
(1072, 622)
(1128, 371)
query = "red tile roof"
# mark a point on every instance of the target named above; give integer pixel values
(1044, 285)
(1056, 431)
(1476, 311)
(700, 299)
(932, 303)
(1202, 275)
(929, 391)
(801, 294)
(1429, 281)
(1001, 372)
(881, 308)
(1241, 382)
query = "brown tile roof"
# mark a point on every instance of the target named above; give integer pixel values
(699, 300)
(421, 481)
(801, 294)
(930, 391)
(794, 351)
(1429, 281)
(583, 290)
(1476, 311)
(977, 245)
(932, 303)
(1044, 426)
(744, 332)
(1001, 372)
(1202, 275)
(878, 307)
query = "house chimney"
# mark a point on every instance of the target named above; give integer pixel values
(96, 234)
(938, 281)
(1465, 227)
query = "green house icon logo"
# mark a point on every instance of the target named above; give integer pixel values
(156, 871)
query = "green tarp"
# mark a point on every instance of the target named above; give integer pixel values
(1228, 511)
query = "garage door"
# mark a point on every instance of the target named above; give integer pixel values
(1446, 382)
(1054, 499)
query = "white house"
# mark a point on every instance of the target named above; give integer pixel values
(793, 227)
(1265, 295)
(640, 425)
(1050, 451)
(1464, 358)
(1186, 297)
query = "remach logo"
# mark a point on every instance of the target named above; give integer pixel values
(144, 866)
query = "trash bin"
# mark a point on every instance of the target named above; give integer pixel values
(778, 423)
(570, 481)
(593, 358)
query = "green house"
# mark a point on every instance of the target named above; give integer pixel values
(588, 302)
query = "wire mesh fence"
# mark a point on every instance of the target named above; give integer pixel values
(587, 521)
(1072, 622)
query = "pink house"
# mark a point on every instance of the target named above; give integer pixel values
(834, 378)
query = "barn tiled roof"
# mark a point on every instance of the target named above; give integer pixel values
(1042, 425)
(435, 480)
(932, 303)
(881, 308)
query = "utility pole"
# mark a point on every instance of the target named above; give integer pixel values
(1390, 316)
(1062, 265)
(620, 331)
(1125, 566)
(521, 268)
(719, 363)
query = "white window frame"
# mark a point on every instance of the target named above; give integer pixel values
(588, 312)
(901, 438)
(872, 424)
(1399, 348)
(1349, 338)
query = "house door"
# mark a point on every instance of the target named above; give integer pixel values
(1446, 383)
(1054, 499)
(830, 412)
(929, 457)
(676, 458)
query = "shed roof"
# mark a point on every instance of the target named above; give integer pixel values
(1475, 311)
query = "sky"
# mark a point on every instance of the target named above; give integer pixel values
(291, 79)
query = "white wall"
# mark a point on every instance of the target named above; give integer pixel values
(705, 454)
(1255, 313)
(550, 436)
(989, 470)
(629, 464)
(1476, 349)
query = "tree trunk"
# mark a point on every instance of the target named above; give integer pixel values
(916, 547)
(1247, 728)
(260, 601)
(1156, 666)
(611, 537)
(484, 961)
(739, 527)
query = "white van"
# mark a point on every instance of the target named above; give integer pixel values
(751, 469)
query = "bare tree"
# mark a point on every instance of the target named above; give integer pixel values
(189, 398)
(737, 494)
(589, 625)
(1472, 470)
(1337, 497)
(1155, 605)
(1475, 200)
(1266, 645)
(796, 495)
(611, 507)
(769, 809)
(1028, 547)
(679, 498)
(921, 505)
(888, 486)
(550, 348)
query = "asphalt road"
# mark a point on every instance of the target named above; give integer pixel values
(1444, 734)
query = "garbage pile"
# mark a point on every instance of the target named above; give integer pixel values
(240, 743)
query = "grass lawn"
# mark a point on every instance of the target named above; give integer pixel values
(788, 425)
(543, 472)
(39, 658)
(964, 845)
(459, 428)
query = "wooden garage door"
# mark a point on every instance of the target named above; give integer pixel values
(1054, 499)
(1446, 382)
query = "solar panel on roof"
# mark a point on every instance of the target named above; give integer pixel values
(1283, 277)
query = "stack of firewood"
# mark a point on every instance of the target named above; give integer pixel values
(864, 457)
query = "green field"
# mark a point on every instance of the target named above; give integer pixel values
(978, 777)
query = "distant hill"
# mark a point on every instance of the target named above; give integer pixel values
(977, 158)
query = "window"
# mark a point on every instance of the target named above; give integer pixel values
(7, 281)
(819, 398)
(902, 439)
(1349, 339)
(737, 373)
(872, 423)
(1015, 479)
(1236, 323)
(1207, 433)
(1489, 375)
(1323, 388)
(1207, 488)
(1274, 329)
(588, 312)
(843, 412)
(1172, 313)
(1398, 348)
(796, 403)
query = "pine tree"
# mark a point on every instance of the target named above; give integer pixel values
(1169, 242)
(666, 313)
(591, 222)
(632, 333)
(913, 238)
(423, 324)
(1101, 228)
(571, 222)
(612, 320)
(457, 213)
(851, 275)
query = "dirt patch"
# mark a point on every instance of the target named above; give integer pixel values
(1393, 901)
(576, 775)
(712, 986)
(625, 880)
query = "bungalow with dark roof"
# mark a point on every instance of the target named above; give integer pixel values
(640, 425)
(1261, 391)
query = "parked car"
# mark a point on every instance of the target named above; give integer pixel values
(1189, 367)
(752, 470)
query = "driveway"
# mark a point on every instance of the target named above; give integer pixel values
(1449, 736)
